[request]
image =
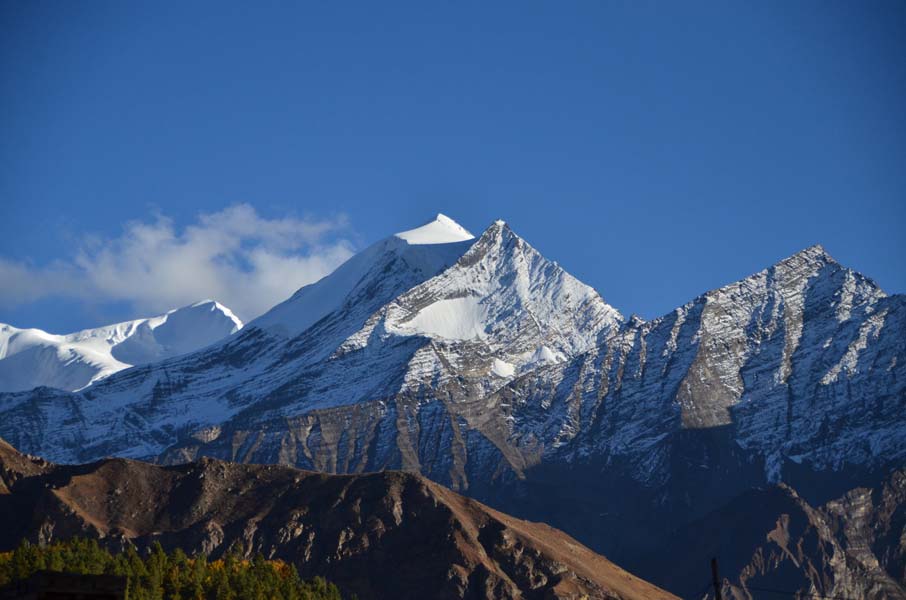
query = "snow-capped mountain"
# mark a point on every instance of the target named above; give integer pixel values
(30, 358)
(794, 374)
(380, 272)
(487, 367)
(796, 360)
(295, 359)
(502, 300)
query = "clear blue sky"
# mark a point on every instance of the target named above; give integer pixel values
(654, 149)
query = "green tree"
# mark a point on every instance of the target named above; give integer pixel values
(169, 576)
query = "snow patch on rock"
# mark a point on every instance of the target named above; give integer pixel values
(452, 319)
(503, 369)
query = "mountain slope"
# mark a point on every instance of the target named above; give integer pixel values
(408, 389)
(381, 535)
(147, 408)
(794, 374)
(30, 358)
(500, 375)
(759, 357)
(381, 272)
(853, 546)
(360, 355)
(501, 299)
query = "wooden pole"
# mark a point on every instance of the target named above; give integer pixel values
(715, 578)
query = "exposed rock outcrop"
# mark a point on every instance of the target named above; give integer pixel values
(772, 539)
(380, 535)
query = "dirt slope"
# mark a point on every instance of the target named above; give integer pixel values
(381, 535)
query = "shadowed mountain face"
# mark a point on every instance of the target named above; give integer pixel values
(486, 367)
(382, 535)
(853, 546)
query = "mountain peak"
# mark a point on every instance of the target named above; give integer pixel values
(498, 232)
(31, 357)
(813, 254)
(213, 306)
(441, 230)
(504, 294)
(375, 275)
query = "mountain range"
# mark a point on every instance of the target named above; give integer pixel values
(31, 358)
(377, 535)
(486, 367)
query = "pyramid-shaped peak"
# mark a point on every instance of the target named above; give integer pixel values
(499, 230)
(815, 254)
(500, 241)
(441, 230)
(503, 294)
(814, 251)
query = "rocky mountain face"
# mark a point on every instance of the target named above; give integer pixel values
(493, 308)
(31, 358)
(794, 374)
(853, 546)
(143, 410)
(488, 368)
(380, 535)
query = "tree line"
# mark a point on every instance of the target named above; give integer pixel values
(159, 575)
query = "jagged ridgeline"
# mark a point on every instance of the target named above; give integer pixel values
(379, 535)
(31, 358)
(485, 366)
(158, 574)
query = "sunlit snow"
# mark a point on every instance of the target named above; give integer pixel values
(31, 357)
(453, 319)
(442, 230)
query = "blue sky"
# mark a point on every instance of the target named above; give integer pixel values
(654, 149)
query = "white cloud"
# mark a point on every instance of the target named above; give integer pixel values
(235, 256)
